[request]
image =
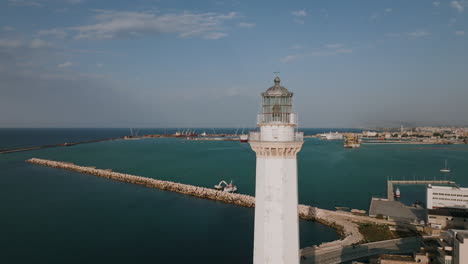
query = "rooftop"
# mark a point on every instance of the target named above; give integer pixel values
(277, 89)
(446, 188)
(396, 210)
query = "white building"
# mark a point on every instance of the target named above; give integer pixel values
(453, 247)
(460, 248)
(276, 237)
(446, 197)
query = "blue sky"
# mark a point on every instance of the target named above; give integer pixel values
(149, 63)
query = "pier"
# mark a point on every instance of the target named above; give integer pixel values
(345, 223)
(390, 183)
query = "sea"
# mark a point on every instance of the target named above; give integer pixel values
(55, 216)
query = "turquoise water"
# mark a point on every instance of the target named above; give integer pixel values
(56, 216)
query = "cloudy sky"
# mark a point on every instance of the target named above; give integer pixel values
(173, 63)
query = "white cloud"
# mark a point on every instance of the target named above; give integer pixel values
(436, 3)
(452, 21)
(55, 32)
(289, 58)
(39, 43)
(334, 45)
(215, 35)
(10, 43)
(418, 34)
(299, 13)
(23, 3)
(318, 53)
(460, 33)
(246, 25)
(7, 28)
(392, 35)
(457, 5)
(74, 2)
(296, 47)
(388, 10)
(118, 24)
(64, 65)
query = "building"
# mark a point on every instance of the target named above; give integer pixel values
(460, 248)
(447, 218)
(453, 247)
(446, 197)
(276, 236)
(421, 258)
(447, 207)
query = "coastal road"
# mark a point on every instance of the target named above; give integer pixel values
(335, 255)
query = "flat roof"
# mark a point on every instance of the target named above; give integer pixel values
(396, 210)
(446, 188)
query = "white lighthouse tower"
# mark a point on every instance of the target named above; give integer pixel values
(276, 238)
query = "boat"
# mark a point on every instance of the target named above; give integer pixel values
(397, 193)
(244, 138)
(225, 187)
(446, 169)
(333, 136)
(352, 141)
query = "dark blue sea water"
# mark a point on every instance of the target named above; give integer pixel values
(57, 216)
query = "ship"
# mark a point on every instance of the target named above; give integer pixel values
(352, 141)
(397, 193)
(332, 136)
(225, 187)
(244, 138)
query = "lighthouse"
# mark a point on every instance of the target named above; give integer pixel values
(276, 237)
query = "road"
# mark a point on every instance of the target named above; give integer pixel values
(332, 255)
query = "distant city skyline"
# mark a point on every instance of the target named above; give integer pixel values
(188, 64)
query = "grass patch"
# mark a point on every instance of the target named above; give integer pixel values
(374, 233)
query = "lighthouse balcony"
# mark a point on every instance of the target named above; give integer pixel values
(277, 118)
(294, 137)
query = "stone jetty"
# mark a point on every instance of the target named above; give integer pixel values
(233, 198)
(345, 223)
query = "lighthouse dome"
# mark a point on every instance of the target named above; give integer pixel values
(277, 89)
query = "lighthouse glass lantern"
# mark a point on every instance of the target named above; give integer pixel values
(276, 105)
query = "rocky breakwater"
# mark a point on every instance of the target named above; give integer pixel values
(233, 198)
(345, 224)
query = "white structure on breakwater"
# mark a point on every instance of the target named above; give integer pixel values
(276, 237)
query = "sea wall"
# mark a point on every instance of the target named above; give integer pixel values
(346, 228)
(233, 198)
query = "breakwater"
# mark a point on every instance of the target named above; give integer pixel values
(66, 144)
(345, 223)
(233, 198)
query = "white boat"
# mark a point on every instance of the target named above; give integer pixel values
(333, 136)
(446, 169)
(244, 138)
(397, 193)
(230, 188)
(225, 187)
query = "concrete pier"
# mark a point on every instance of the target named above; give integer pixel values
(390, 183)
